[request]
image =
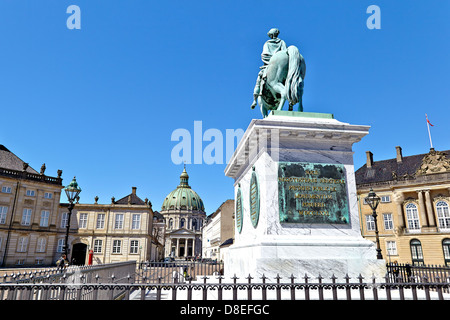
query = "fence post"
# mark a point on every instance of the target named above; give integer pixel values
(347, 287)
(219, 288)
(439, 288)
(158, 289)
(374, 288)
(320, 287)
(334, 289)
(278, 287)
(264, 288)
(189, 297)
(234, 287)
(427, 287)
(388, 288)
(292, 287)
(306, 287)
(361, 287)
(249, 287)
(205, 289)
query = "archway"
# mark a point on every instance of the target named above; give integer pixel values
(79, 254)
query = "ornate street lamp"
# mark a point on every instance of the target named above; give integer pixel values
(373, 200)
(72, 192)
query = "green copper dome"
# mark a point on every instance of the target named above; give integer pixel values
(183, 197)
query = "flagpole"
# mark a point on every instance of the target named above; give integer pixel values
(429, 134)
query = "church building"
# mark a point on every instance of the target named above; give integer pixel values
(184, 213)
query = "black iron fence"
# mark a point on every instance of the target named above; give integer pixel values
(416, 273)
(177, 271)
(204, 281)
(214, 288)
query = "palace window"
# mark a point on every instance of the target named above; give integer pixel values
(370, 223)
(48, 195)
(194, 224)
(388, 222)
(443, 214)
(136, 222)
(45, 215)
(170, 223)
(385, 198)
(391, 247)
(182, 222)
(61, 244)
(40, 246)
(26, 217)
(119, 221)
(22, 244)
(6, 189)
(100, 221)
(117, 244)
(446, 248)
(30, 193)
(134, 246)
(416, 252)
(83, 221)
(64, 219)
(412, 216)
(3, 212)
(98, 246)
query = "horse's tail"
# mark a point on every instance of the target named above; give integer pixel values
(296, 73)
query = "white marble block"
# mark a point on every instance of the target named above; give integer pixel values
(271, 247)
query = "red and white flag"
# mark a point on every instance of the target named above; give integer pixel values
(428, 120)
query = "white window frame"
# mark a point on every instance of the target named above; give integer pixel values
(41, 244)
(22, 244)
(385, 198)
(443, 214)
(98, 245)
(118, 221)
(61, 244)
(64, 219)
(45, 216)
(388, 221)
(6, 189)
(100, 221)
(31, 193)
(134, 246)
(136, 221)
(370, 223)
(48, 195)
(117, 247)
(26, 217)
(3, 214)
(83, 220)
(412, 217)
(391, 247)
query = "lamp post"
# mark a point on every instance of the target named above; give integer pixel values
(72, 192)
(373, 200)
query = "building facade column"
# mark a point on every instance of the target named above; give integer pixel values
(399, 198)
(430, 211)
(422, 213)
(177, 254)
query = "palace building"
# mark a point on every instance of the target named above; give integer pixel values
(29, 213)
(413, 215)
(121, 230)
(184, 214)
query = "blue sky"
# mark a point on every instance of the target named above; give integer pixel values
(102, 102)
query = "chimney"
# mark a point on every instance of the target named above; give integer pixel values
(369, 159)
(399, 154)
(133, 190)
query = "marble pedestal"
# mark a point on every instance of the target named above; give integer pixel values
(266, 244)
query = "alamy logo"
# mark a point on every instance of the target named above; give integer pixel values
(74, 20)
(374, 20)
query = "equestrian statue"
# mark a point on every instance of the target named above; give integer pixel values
(281, 77)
